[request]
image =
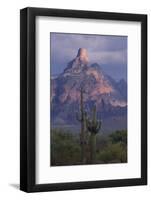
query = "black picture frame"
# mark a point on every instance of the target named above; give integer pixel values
(28, 98)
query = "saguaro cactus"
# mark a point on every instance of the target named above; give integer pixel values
(82, 118)
(93, 126)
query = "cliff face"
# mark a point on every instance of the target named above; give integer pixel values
(109, 96)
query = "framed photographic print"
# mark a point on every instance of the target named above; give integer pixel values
(83, 95)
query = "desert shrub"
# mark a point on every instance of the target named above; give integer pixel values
(65, 149)
(113, 153)
(119, 136)
(102, 141)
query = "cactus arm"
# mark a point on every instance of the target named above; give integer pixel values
(98, 126)
(93, 126)
(94, 114)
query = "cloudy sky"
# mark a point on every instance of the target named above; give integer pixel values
(108, 51)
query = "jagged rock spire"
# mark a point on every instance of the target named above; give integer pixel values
(83, 55)
(79, 63)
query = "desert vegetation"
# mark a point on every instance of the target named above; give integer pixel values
(66, 148)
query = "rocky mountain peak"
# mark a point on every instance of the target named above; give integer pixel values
(99, 87)
(78, 64)
(83, 55)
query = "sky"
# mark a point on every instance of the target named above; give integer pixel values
(110, 52)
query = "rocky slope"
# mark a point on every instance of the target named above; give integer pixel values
(109, 96)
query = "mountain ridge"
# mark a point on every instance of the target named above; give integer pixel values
(108, 95)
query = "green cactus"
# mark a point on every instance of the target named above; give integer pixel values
(93, 126)
(82, 118)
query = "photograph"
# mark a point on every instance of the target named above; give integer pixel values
(88, 99)
(83, 99)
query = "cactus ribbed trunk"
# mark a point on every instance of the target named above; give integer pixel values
(92, 148)
(93, 126)
(83, 130)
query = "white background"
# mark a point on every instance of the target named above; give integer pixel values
(9, 100)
